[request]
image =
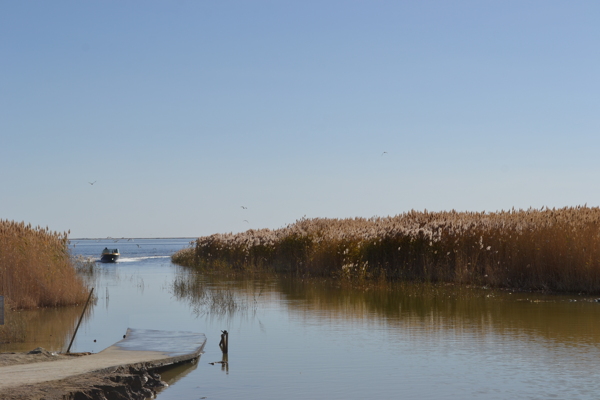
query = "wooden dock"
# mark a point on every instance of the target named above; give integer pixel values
(149, 349)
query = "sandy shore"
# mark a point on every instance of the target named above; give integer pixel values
(127, 383)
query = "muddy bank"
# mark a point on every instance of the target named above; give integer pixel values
(135, 383)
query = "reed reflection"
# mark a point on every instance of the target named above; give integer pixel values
(50, 328)
(423, 309)
(212, 298)
(439, 308)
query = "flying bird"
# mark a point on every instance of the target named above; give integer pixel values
(246, 220)
(245, 208)
(91, 183)
(385, 152)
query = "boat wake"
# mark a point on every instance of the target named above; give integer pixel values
(134, 259)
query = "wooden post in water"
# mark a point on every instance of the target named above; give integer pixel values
(224, 341)
(80, 318)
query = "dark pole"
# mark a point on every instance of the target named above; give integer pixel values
(80, 318)
(223, 344)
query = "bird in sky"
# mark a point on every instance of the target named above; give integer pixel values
(91, 183)
(245, 208)
(246, 220)
(385, 152)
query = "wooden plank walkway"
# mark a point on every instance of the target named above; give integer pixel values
(141, 348)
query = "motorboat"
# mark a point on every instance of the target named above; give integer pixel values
(110, 255)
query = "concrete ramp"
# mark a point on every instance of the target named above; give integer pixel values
(150, 349)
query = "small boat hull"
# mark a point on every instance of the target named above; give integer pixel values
(108, 258)
(109, 255)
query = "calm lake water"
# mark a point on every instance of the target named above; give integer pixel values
(312, 340)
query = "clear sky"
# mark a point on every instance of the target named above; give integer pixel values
(182, 112)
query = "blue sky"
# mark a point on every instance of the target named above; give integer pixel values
(182, 112)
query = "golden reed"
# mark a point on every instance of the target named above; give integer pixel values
(554, 250)
(36, 269)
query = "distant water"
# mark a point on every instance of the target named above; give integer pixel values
(313, 340)
(131, 250)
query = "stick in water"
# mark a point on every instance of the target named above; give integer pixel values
(80, 318)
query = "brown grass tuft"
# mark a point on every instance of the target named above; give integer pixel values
(36, 269)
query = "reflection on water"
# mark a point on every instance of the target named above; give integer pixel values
(225, 363)
(299, 339)
(174, 373)
(419, 340)
(210, 299)
(50, 328)
(428, 308)
(564, 319)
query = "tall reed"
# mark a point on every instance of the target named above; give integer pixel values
(36, 269)
(546, 249)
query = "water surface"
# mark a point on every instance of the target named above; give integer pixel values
(297, 340)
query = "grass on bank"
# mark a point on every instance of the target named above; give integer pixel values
(554, 250)
(36, 269)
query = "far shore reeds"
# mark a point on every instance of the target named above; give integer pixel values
(553, 250)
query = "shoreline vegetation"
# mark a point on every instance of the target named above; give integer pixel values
(36, 268)
(550, 250)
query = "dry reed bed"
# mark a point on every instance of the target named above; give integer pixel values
(36, 269)
(547, 249)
